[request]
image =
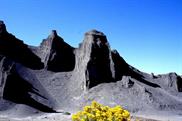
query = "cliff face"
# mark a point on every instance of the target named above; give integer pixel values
(94, 59)
(55, 76)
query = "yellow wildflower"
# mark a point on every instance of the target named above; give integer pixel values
(98, 112)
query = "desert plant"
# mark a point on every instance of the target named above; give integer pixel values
(98, 112)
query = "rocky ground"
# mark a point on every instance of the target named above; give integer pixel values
(61, 117)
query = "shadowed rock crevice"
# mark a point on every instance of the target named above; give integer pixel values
(179, 83)
(5, 67)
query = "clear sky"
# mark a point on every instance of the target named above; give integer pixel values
(146, 33)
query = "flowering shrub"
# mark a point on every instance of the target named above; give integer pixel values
(98, 112)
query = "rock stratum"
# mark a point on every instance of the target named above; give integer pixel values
(56, 76)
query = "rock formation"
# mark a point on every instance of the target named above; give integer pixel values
(56, 76)
(94, 59)
(56, 55)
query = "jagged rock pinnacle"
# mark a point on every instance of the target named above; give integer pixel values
(54, 33)
(2, 27)
(56, 54)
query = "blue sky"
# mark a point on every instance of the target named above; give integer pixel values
(147, 33)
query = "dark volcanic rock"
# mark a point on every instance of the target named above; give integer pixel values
(56, 54)
(15, 49)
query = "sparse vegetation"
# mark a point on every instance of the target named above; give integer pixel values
(98, 112)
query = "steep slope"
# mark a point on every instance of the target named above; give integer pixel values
(29, 92)
(15, 49)
(18, 87)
